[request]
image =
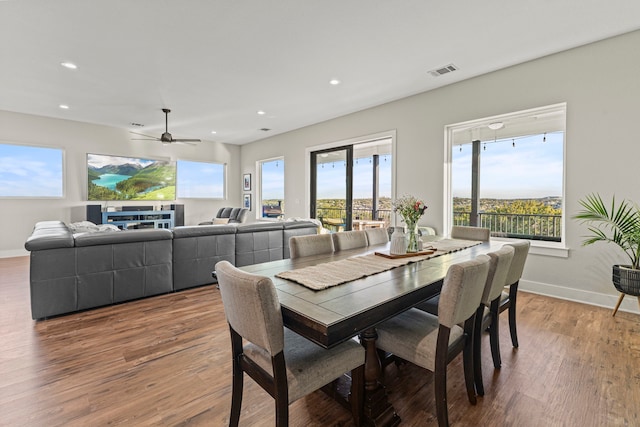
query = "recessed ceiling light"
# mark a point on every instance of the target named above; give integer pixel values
(495, 125)
(213, 132)
(69, 65)
(334, 82)
(64, 106)
(262, 113)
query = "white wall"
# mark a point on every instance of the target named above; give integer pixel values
(17, 216)
(601, 85)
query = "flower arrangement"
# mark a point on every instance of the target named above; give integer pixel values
(410, 209)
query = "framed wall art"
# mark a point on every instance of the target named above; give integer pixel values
(246, 182)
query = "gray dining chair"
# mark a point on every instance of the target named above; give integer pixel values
(282, 362)
(312, 244)
(508, 299)
(377, 236)
(346, 240)
(431, 342)
(470, 233)
(488, 310)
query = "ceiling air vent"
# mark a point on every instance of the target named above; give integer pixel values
(265, 129)
(136, 124)
(443, 70)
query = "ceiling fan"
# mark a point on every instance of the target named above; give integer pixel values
(166, 137)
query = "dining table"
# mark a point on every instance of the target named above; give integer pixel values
(339, 313)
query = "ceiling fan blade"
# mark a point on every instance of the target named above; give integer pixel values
(142, 134)
(186, 140)
(144, 139)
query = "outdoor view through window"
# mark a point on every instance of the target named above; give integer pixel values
(371, 186)
(272, 188)
(520, 163)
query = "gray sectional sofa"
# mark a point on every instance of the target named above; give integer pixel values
(71, 272)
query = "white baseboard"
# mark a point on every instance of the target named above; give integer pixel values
(629, 304)
(14, 253)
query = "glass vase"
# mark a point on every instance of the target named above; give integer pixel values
(412, 236)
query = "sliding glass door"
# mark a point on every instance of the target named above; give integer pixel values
(351, 185)
(331, 187)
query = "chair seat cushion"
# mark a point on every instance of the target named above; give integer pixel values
(309, 366)
(413, 336)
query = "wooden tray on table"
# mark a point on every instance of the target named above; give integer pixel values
(386, 254)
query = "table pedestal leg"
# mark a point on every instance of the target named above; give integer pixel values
(377, 408)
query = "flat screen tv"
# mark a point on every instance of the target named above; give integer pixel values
(128, 178)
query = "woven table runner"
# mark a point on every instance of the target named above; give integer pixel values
(326, 275)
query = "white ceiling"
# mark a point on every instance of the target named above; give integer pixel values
(215, 63)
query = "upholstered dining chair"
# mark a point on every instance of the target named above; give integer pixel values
(470, 233)
(432, 341)
(487, 314)
(508, 299)
(312, 244)
(282, 362)
(346, 240)
(377, 236)
(457, 232)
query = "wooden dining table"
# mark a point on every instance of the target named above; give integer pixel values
(339, 313)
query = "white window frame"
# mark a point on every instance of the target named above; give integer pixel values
(558, 249)
(63, 173)
(258, 198)
(224, 179)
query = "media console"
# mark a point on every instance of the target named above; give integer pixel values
(139, 219)
(169, 216)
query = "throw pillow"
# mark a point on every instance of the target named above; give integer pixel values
(220, 220)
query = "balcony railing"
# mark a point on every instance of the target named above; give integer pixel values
(523, 226)
(357, 214)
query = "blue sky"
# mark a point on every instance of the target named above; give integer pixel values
(531, 169)
(273, 180)
(331, 179)
(30, 171)
(200, 179)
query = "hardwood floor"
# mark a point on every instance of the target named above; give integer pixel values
(165, 361)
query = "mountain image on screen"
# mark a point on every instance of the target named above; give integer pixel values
(122, 178)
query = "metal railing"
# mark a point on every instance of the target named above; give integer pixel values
(357, 214)
(524, 226)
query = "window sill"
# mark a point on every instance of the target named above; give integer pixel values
(552, 249)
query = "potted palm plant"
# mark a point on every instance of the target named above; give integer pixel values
(619, 224)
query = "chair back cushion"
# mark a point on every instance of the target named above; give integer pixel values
(314, 244)
(498, 270)
(251, 306)
(235, 215)
(462, 290)
(470, 233)
(377, 236)
(346, 240)
(519, 259)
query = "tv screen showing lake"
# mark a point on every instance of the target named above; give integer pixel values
(128, 178)
(109, 180)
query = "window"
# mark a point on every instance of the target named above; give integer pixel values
(27, 171)
(507, 174)
(201, 180)
(351, 185)
(271, 203)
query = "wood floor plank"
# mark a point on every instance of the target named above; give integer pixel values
(166, 361)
